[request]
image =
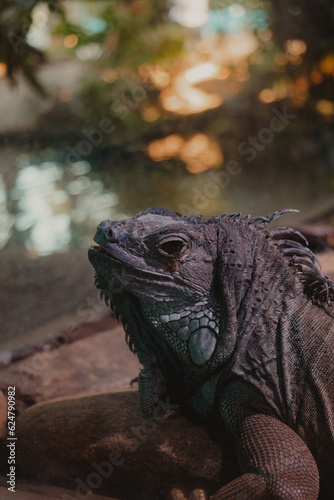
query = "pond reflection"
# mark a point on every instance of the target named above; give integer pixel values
(41, 207)
(53, 205)
(6, 219)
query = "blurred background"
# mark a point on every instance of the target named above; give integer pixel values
(109, 107)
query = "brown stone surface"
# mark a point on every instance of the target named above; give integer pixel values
(96, 364)
(26, 491)
(37, 291)
(103, 443)
(3, 414)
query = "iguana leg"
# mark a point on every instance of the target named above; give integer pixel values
(276, 463)
(154, 399)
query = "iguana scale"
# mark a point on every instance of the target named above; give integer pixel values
(234, 322)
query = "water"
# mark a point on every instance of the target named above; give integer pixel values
(48, 204)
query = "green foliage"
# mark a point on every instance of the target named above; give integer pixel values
(15, 52)
(129, 38)
(129, 33)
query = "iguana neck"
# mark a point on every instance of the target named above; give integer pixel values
(184, 329)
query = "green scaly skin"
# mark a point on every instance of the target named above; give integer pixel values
(234, 323)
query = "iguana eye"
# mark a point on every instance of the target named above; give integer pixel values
(172, 247)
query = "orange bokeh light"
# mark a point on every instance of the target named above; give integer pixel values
(3, 69)
(327, 65)
(199, 152)
(70, 41)
(185, 99)
(316, 77)
(150, 114)
(325, 107)
(109, 75)
(295, 47)
(267, 95)
(156, 74)
(163, 149)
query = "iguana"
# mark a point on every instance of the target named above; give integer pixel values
(233, 321)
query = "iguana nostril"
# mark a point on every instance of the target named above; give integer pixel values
(111, 234)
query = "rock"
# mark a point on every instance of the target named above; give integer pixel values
(53, 286)
(3, 414)
(96, 364)
(55, 334)
(103, 444)
(26, 491)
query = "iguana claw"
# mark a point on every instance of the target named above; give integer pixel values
(197, 494)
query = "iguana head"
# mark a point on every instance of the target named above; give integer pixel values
(157, 255)
(162, 265)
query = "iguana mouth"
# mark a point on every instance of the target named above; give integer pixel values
(102, 251)
(99, 249)
(94, 249)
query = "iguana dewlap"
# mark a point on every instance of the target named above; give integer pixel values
(233, 322)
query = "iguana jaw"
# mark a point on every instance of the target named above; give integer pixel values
(130, 255)
(112, 266)
(98, 253)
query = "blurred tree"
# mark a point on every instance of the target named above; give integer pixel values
(128, 34)
(136, 31)
(15, 52)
